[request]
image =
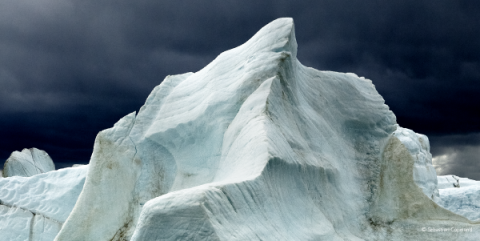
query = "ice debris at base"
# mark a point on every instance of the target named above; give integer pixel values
(460, 195)
(27, 163)
(256, 146)
(37, 206)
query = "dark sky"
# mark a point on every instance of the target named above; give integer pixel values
(71, 68)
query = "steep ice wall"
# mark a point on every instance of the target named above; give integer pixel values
(424, 173)
(34, 208)
(401, 211)
(27, 163)
(256, 146)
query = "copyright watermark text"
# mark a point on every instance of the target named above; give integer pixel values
(450, 229)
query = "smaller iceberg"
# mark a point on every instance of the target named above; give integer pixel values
(460, 195)
(27, 163)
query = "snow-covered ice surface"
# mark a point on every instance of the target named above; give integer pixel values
(463, 198)
(256, 146)
(34, 208)
(447, 181)
(27, 163)
(14, 223)
(466, 182)
(452, 181)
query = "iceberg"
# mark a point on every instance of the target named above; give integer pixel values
(27, 163)
(255, 146)
(460, 195)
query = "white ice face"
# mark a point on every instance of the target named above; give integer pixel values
(460, 195)
(37, 206)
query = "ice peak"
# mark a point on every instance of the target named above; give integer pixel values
(277, 36)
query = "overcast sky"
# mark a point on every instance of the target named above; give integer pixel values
(71, 68)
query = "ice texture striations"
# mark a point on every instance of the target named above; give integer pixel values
(27, 163)
(256, 146)
(34, 208)
(460, 195)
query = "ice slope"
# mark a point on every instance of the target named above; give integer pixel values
(34, 208)
(27, 163)
(256, 146)
(463, 199)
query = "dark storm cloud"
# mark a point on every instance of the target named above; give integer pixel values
(70, 68)
(457, 154)
(461, 161)
(422, 57)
